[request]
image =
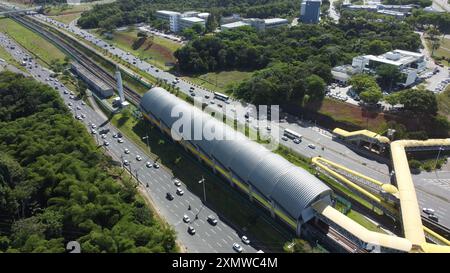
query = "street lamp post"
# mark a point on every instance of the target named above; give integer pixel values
(148, 146)
(437, 158)
(202, 181)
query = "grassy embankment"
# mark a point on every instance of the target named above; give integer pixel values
(44, 51)
(155, 50)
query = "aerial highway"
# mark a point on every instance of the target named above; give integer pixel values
(207, 238)
(325, 146)
(310, 131)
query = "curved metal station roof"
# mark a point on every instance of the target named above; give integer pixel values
(293, 188)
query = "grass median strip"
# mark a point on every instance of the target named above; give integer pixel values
(41, 48)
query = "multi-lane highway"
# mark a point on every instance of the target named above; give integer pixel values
(312, 134)
(157, 181)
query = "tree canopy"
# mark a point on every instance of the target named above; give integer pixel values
(56, 186)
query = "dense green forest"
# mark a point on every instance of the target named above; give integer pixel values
(124, 12)
(56, 185)
(291, 56)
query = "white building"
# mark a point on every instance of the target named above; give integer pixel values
(179, 21)
(259, 24)
(188, 22)
(410, 64)
(172, 17)
(233, 25)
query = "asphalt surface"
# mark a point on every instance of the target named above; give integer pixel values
(312, 134)
(208, 238)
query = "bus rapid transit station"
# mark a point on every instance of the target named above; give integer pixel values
(286, 190)
(290, 193)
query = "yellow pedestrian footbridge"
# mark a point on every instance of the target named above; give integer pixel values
(363, 134)
(414, 231)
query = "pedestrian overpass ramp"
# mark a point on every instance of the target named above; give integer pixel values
(414, 240)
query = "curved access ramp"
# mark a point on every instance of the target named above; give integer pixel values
(361, 232)
(322, 163)
(375, 238)
(409, 206)
(362, 134)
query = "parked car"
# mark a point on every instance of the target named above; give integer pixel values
(186, 218)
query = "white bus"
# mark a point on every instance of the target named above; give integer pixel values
(221, 96)
(292, 135)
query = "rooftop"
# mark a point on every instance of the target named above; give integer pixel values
(193, 19)
(235, 25)
(168, 12)
(275, 20)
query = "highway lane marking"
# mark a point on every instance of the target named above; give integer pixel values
(223, 240)
(230, 237)
(218, 244)
(213, 231)
(207, 234)
(219, 228)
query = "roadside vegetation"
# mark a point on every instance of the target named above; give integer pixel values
(57, 186)
(43, 50)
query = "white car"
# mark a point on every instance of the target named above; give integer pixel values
(284, 138)
(138, 158)
(126, 151)
(296, 140)
(180, 191)
(93, 126)
(148, 164)
(120, 140)
(237, 247)
(186, 219)
(245, 240)
(126, 163)
(103, 136)
(177, 182)
(428, 210)
(106, 143)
